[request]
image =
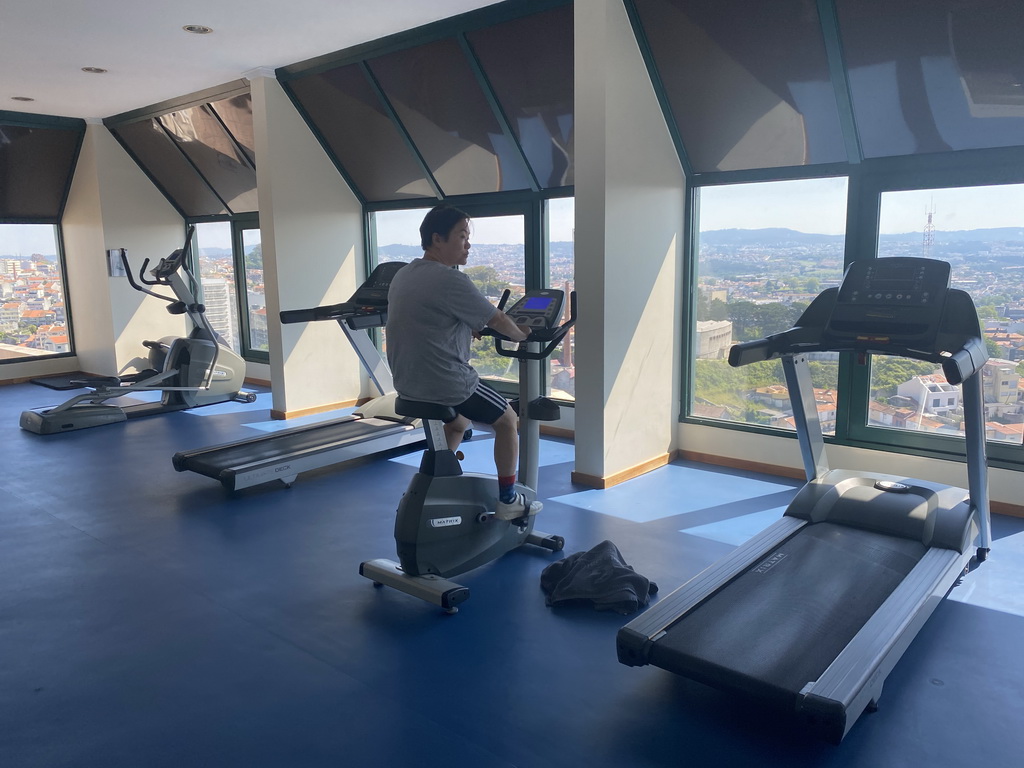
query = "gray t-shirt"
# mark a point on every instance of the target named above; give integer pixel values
(432, 313)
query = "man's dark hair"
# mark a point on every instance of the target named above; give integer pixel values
(441, 220)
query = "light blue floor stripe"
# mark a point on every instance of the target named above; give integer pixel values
(669, 491)
(276, 425)
(737, 530)
(998, 583)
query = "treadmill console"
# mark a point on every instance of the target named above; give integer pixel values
(374, 290)
(540, 309)
(367, 307)
(897, 298)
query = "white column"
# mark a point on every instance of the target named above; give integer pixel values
(312, 236)
(629, 238)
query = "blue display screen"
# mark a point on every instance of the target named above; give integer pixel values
(537, 303)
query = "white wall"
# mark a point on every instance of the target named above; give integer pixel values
(312, 235)
(738, 446)
(629, 225)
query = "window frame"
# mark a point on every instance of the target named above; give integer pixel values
(238, 222)
(532, 206)
(866, 183)
(76, 125)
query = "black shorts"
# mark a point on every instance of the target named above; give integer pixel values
(484, 405)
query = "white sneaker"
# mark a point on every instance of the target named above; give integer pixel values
(517, 508)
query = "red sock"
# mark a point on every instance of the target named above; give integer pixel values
(506, 487)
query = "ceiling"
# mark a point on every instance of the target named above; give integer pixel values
(149, 58)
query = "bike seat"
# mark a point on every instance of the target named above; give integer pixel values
(418, 409)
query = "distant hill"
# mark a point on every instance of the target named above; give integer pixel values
(781, 236)
(408, 252)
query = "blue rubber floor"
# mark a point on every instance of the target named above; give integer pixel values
(149, 618)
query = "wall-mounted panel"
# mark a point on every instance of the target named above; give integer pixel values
(201, 136)
(529, 64)
(345, 110)
(934, 75)
(747, 84)
(158, 154)
(36, 165)
(236, 114)
(436, 95)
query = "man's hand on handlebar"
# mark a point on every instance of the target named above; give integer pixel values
(502, 325)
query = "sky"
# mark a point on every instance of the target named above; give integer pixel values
(819, 206)
(807, 205)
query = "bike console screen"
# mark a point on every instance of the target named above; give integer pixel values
(538, 309)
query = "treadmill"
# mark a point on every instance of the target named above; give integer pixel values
(813, 613)
(373, 428)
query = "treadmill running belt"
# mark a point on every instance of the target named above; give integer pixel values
(319, 437)
(780, 624)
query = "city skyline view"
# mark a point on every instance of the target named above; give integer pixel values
(811, 206)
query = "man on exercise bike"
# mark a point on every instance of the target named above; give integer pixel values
(434, 312)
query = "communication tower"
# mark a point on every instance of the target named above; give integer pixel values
(929, 231)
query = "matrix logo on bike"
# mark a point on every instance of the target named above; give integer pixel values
(445, 522)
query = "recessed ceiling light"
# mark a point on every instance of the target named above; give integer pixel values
(94, 70)
(22, 98)
(197, 29)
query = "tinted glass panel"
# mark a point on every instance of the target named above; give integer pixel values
(934, 75)
(255, 293)
(497, 260)
(438, 99)
(200, 135)
(977, 230)
(747, 83)
(766, 250)
(347, 113)
(33, 314)
(35, 170)
(529, 63)
(157, 153)
(217, 276)
(561, 228)
(236, 114)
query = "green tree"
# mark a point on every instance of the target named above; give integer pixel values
(992, 347)
(254, 258)
(487, 280)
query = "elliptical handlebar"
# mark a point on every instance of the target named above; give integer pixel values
(162, 272)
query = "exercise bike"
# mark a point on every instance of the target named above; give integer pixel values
(193, 371)
(446, 523)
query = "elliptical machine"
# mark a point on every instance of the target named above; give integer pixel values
(445, 523)
(191, 372)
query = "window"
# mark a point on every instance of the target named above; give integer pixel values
(33, 308)
(217, 277)
(765, 251)
(230, 259)
(561, 219)
(978, 231)
(506, 253)
(496, 262)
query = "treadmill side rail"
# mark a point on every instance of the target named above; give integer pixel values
(853, 682)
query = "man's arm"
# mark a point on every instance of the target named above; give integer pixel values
(503, 324)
